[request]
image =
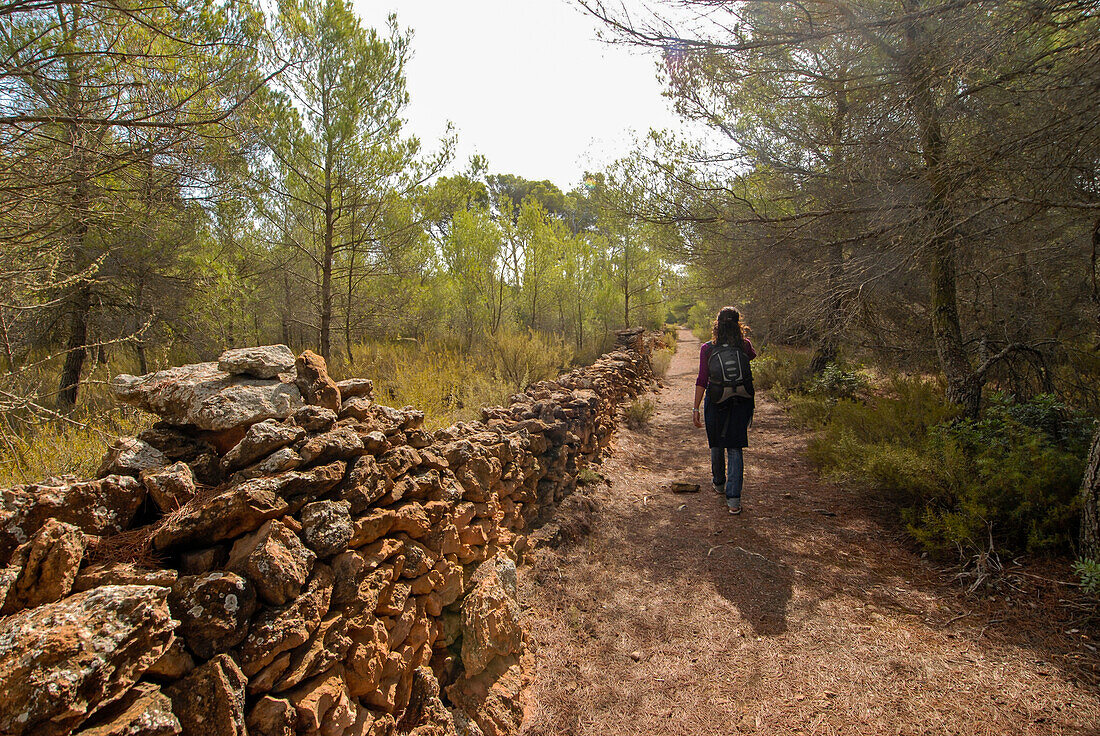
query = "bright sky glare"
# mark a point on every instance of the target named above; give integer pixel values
(526, 84)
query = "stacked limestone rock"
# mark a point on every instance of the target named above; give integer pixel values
(281, 555)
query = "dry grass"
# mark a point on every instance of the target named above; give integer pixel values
(33, 449)
(637, 413)
(450, 383)
(805, 615)
(661, 360)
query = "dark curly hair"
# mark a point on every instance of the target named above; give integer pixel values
(727, 328)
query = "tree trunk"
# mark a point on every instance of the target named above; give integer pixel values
(964, 385)
(626, 283)
(498, 307)
(827, 348)
(326, 297)
(288, 313)
(143, 363)
(534, 304)
(327, 264)
(328, 243)
(825, 352)
(832, 322)
(77, 350)
(79, 302)
(1090, 503)
(5, 341)
(347, 307)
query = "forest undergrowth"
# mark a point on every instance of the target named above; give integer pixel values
(975, 491)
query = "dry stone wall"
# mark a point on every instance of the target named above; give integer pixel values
(282, 555)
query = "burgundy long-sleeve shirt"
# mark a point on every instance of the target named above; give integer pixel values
(704, 354)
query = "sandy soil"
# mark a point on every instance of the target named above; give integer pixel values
(807, 614)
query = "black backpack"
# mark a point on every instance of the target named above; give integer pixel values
(729, 371)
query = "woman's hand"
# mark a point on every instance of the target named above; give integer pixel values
(696, 419)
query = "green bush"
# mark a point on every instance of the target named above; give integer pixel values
(699, 321)
(835, 382)
(903, 413)
(780, 368)
(1010, 477)
(588, 476)
(1015, 471)
(1088, 572)
(1009, 483)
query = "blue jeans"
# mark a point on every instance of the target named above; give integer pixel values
(736, 476)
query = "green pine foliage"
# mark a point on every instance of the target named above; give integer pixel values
(836, 382)
(1088, 572)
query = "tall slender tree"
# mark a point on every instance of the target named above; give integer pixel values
(338, 165)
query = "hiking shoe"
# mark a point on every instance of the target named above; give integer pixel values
(734, 507)
(720, 490)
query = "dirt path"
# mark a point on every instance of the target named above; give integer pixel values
(804, 615)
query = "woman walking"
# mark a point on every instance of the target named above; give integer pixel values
(724, 387)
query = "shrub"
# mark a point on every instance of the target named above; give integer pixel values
(779, 368)
(902, 413)
(1088, 572)
(586, 476)
(661, 360)
(638, 413)
(1045, 412)
(1002, 477)
(811, 412)
(594, 346)
(835, 382)
(669, 334)
(521, 358)
(1009, 479)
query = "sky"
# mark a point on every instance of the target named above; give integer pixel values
(526, 83)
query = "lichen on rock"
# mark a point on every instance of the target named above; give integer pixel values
(61, 661)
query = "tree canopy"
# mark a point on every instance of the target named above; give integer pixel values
(915, 176)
